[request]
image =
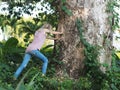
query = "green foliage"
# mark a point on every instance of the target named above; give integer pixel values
(38, 82)
(11, 42)
(83, 84)
(11, 56)
(20, 85)
(65, 9)
(32, 79)
(92, 65)
(29, 26)
(113, 74)
(109, 80)
(112, 7)
(11, 46)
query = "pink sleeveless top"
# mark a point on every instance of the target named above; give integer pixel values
(38, 40)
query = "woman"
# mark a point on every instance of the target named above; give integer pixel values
(35, 46)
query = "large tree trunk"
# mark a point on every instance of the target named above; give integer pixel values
(96, 32)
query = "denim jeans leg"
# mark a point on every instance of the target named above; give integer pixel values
(39, 55)
(23, 65)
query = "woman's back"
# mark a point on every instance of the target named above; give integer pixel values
(38, 40)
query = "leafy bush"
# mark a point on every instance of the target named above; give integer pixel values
(11, 57)
(10, 54)
(112, 80)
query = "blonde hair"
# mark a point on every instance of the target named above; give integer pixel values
(47, 26)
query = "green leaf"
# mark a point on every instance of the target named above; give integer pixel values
(12, 42)
(48, 46)
(63, 1)
(2, 88)
(66, 10)
(69, 12)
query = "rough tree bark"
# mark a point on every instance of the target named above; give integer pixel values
(96, 31)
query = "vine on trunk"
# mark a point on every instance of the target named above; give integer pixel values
(65, 9)
(112, 7)
(92, 66)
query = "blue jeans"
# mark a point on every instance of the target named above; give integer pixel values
(26, 59)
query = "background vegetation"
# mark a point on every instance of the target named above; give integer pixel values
(20, 33)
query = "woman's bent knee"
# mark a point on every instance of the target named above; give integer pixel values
(45, 60)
